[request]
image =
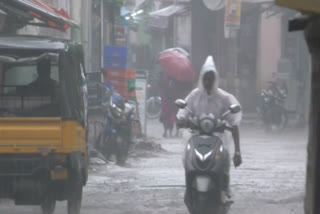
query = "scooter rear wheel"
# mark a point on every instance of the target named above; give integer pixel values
(122, 151)
(201, 203)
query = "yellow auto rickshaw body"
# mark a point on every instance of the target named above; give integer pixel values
(43, 136)
(34, 135)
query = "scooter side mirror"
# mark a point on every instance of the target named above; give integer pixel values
(235, 109)
(181, 103)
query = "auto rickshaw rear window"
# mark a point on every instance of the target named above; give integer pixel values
(29, 88)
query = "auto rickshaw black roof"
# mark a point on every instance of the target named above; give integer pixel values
(71, 64)
(35, 43)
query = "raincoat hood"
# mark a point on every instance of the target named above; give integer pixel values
(209, 66)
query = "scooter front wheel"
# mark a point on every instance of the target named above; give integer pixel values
(206, 203)
(201, 203)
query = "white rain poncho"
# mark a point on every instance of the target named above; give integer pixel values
(217, 102)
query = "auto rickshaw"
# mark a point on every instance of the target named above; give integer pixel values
(43, 148)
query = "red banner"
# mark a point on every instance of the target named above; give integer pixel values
(233, 14)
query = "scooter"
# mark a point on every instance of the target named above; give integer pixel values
(204, 162)
(117, 135)
(271, 107)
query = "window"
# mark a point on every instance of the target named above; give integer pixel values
(27, 93)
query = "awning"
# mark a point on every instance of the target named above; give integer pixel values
(50, 16)
(168, 11)
(160, 18)
(2, 13)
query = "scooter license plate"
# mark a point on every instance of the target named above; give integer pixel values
(203, 183)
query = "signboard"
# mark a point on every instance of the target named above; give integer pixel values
(233, 14)
(141, 93)
(232, 20)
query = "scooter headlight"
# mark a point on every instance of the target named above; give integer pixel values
(203, 157)
(203, 161)
(116, 111)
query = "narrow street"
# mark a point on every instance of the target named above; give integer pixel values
(271, 180)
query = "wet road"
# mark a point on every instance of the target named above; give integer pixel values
(271, 180)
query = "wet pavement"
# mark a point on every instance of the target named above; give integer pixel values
(271, 180)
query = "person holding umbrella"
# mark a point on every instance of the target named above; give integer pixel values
(176, 81)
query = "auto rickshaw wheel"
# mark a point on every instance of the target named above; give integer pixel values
(75, 195)
(49, 204)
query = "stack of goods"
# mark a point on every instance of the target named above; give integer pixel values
(115, 57)
(120, 77)
(116, 72)
(124, 82)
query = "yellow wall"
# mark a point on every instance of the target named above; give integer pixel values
(302, 5)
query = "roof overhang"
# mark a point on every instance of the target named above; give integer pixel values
(25, 11)
(168, 11)
(31, 43)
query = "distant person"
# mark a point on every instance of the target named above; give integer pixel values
(171, 90)
(168, 109)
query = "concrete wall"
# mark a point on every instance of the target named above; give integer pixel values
(86, 31)
(182, 30)
(269, 49)
(76, 13)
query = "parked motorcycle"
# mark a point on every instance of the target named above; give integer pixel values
(117, 135)
(271, 107)
(205, 161)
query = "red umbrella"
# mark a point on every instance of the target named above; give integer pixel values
(177, 65)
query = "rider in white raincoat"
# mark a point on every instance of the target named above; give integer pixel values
(209, 98)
